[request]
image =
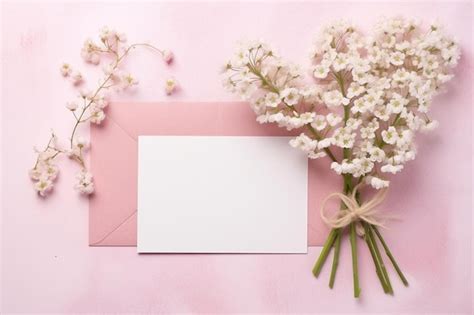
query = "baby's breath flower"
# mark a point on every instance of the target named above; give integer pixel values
(171, 85)
(370, 97)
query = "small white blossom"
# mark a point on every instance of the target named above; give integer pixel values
(321, 71)
(334, 98)
(72, 106)
(168, 56)
(272, 100)
(429, 126)
(290, 96)
(307, 118)
(397, 58)
(84, 183)
(171, 85)
(397, 103)
(128, 80)
(390, 135)
(319, 123)
(304, 143)
(389, 168)
(376, 154)
(97, 116)
(43, 186)
(376, 182)
(65, 69)
(333, 119)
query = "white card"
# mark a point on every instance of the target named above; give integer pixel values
(205, 194)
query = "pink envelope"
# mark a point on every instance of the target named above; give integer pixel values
(112, 215)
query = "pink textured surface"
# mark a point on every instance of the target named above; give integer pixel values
(47, 265)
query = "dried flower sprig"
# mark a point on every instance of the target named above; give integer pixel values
(371, 95)
(90, 106)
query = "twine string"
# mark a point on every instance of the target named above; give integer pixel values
(367, 211)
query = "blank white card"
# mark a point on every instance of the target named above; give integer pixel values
(204, 194)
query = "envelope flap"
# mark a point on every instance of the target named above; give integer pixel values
(114, 165)
(189, 118)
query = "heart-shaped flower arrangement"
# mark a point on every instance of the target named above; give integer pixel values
(370, 97)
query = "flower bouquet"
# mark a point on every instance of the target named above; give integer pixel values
(369, 98)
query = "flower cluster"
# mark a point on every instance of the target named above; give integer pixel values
(370, 96)
(90, 106)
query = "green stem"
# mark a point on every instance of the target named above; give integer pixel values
(380, 260)
(324, 253)
(355, 271)
(374, 257)
(390, 256)
(335, 262)
(318, 137)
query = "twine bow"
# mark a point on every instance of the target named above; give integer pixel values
(365, 212)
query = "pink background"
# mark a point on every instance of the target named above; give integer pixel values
(46, 263)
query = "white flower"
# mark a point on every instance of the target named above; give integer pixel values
(171, 85)
(272, 100)
(307, 118)
(278, 117)
(72, 106)
(362, 166)
(50, 171)
(304, 143)
(321, 71)
(100, 101)
(128, 80)
(90, 52)
(376, 182)
(65, 69)
(355, 90)
(397, 103)
(81, 142)
(382, 113)
(336, 167)
(397, 58)
(43, 186)
(35, 173)
(263, 119)
(97, 117)
(168, 56)
(316, 155)
(376, 154)
(84, 183)
(292, 123)
(344, 138)
(388, 80)
(334, 98)
(401, 75)
(372, 98)
(340, 62)
(353, 123)
(319, 122)
(429, 126)
(390, 136)
(324, 143)
(389, 168)
(359, 106)
(76, 78)
(359, 65)
(290, 96)
(333, 119)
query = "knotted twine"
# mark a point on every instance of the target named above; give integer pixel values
(367, 211)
